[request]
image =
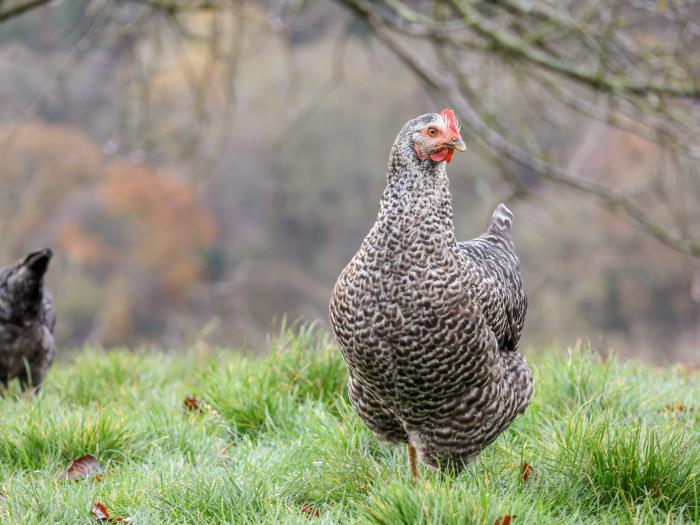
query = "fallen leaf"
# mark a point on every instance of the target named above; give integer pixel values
(192, 404)
(525, 471)
(100, 513)
(310, 511)
(678, 407)
(82, 468)
(505, 520)
(227, 448)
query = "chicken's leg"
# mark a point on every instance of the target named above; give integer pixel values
(413, 461)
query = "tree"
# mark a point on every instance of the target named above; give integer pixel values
(587, 105)
(627, 64)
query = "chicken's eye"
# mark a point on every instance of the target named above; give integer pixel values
(432, 132)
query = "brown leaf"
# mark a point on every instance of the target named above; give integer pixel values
(101, 514)
(678, 407)
(310, 511)
(525, 471)
(192, 404)
(505, 520)
(82, 468)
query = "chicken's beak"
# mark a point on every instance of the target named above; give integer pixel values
(459, 144)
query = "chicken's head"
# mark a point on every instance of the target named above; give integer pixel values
(436, 136)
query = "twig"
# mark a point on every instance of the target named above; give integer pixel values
(17, 10)
(611, 197)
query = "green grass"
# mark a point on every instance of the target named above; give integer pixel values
(277, 434)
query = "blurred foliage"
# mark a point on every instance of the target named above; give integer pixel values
(225, 165)
(131, 239)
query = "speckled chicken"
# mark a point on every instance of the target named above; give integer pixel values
(26, 321)
(428, 326)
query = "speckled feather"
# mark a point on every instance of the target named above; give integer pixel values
(26, 321)
(429, 327)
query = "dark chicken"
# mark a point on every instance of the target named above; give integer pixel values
(428, 326)
(26, 321)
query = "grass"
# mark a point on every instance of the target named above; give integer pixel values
(277, 441)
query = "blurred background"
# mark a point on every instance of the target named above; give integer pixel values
(203, 168)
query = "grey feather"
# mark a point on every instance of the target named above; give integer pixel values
(27, 321)
(428, 326)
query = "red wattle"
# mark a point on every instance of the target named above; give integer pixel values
(442, 154)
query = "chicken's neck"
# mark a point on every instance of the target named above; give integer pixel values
(23, 301)
(416, 206)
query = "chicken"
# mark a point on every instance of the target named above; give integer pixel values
(428, 326)
(26, 321)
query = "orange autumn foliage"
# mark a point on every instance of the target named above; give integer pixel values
(168, 224)
(80, 246)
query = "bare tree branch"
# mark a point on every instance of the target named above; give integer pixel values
(624, 64)
(608, 196)
(175, 6)
(20, 9)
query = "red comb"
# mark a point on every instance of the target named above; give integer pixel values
(449, 116)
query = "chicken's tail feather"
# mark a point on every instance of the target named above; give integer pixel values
(502, 220)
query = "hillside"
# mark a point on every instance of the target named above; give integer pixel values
(276, 441)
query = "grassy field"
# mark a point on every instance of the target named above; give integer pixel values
(276, 441)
